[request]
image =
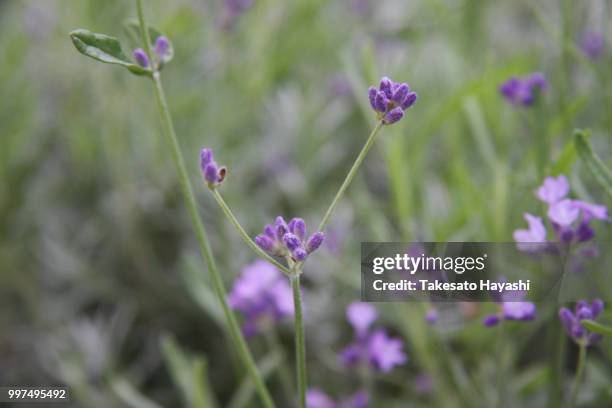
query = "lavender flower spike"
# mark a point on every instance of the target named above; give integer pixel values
(391, 100)
(288, 240)
(163, 49)
(592, 44)
(213, 174)
(141, 58)
(572, 321)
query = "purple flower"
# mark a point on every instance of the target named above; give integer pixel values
(512, 307)
(361, 315)
(233, 10)
(141, 58)
(553, 189)
(572, 321)
(432, 315)
(163, 49)
(288, 239)
(536, 232)
(263, 296)
(522, 91)
(569, 218)
(315, 398)
(390, 100)
(592, 44)
(374, 348)
(385, 352)
(213, 174)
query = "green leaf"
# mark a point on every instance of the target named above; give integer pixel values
(597, 328)
(566, 159)
(105, 49)
(601, 172)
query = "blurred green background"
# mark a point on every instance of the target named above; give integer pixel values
(102, 285)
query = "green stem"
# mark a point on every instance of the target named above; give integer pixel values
(245, 237)
(300, 348)
(579, 374)
(190, 202)
(351, 174)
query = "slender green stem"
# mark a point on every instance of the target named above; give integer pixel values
(300, 348)
(579, 374)
(190, 202)
(351, 174)
(245, 237)
(144, 31)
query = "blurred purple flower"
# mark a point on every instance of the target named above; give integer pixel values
(535, 234)
(572, 321)
(263, 296)
(553, 189)
(512, 307)
(592, 44)
(213, 174)
(315, 398)
(282, 239)
(390, 100)
(374, 348)
(432, 315)
(141, 58)
(163, 49)
(523, 91)
(233, 10)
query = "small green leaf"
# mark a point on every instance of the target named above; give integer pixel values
(105, 49)
(601, 172)
(597, 328)
(563, 165)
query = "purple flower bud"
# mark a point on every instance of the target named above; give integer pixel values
(491, 320)
(372, 96)
(298, 227)
(280, 227)
(141, 58)
(291, 241)
(206, 156)
(211, 173)
(393, 115)
(270, 232)
(315, 241)
(584, 313)
(584, 232)
(400, 93)
(597, 307)
(386, 86)
(409, 101)
(299, 254)
(264, 242)
(381, 102)
(162, 48)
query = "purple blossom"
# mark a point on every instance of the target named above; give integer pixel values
(374, 348)
(315, 398)
(572, 321)
(512, 307)
(263, 296)
(163, 49)
(592, 44)
(553, 189)
(213, 174)
(522, 91)
(570, 219)
(390, 100)
(361, 315)
(233, 10)
(141, 58)
(288, 239)
(432, 315)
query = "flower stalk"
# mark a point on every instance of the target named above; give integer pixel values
(190, 202)
(300, 347)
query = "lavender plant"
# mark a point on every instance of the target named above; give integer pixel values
(289, 241)
(148, 62)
